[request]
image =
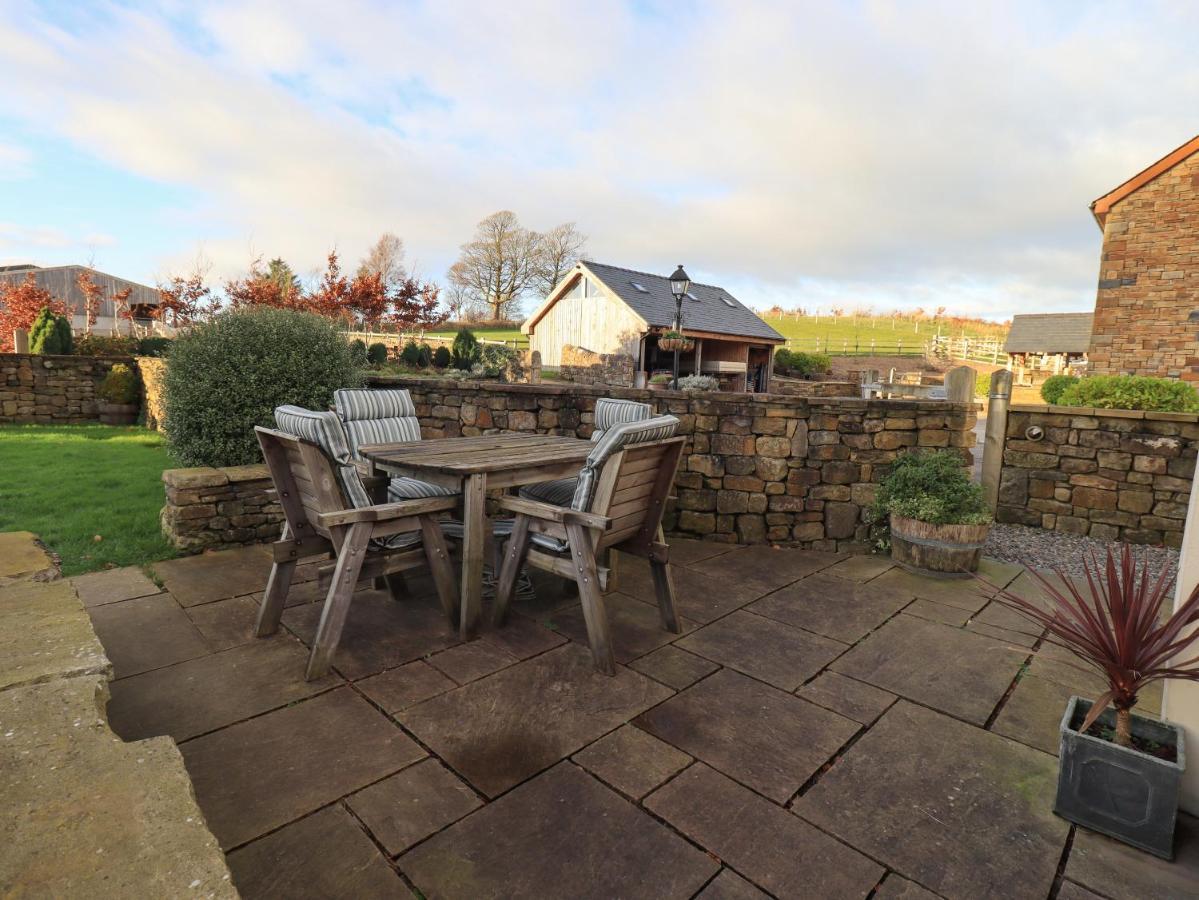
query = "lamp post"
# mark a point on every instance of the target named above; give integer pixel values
(680, 283)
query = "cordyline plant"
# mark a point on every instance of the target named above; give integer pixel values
(1113, 624)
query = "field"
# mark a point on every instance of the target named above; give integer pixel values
(873, 335)
(72, 484)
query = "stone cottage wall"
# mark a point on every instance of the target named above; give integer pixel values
(757, 467)
(1110, 474)
(211, 509)
(1149, 280)
(51, 389)
(584, 366)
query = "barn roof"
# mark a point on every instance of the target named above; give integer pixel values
(62, 282)
(1101, 207)
(708, 308)
(1050, 333)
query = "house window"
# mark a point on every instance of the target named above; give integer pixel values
(593, 288)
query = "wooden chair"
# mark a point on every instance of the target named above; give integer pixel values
(618, 505)
(369, 541)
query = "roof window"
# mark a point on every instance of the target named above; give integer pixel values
(640, 287)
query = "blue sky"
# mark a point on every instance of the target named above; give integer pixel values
(863, 154)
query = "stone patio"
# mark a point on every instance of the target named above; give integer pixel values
(826, 726)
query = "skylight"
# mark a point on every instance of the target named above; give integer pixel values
(639, 287)
(691, 296)
(729, 303)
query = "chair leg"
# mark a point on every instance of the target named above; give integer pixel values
(664, 588)
(438, 555)
(337, 601)
(397, 586)
(594, 613)
(609, 561)
(273, 601)
(514, 558)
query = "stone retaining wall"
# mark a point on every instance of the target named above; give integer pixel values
(1110, 474)
(758, 467)
(801, 387)
(211, 509)
(52, 389)
(584, 366)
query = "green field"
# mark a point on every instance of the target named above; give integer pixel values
(491, 334)
(855, 334)
(92, 493)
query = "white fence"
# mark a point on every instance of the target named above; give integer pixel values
(399, 339)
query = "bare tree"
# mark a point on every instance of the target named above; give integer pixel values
(500, 264)
(560, 248)
(385, 259)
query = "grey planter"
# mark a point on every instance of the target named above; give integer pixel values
(1119, 791)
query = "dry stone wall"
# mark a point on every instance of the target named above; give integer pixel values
(1110, 474)
(584, 366)
(57, 390)
(211, 509)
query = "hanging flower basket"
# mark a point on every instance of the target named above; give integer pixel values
(672, 341)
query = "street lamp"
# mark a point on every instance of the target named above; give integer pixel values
(680, 283)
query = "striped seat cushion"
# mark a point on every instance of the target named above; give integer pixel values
(614, 439)
(404, 488)
(610, 412)
(557, 493)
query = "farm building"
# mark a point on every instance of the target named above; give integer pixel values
(63, 283)
(611, 310)
(1049, 342)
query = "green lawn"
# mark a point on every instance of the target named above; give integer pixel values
(844, 334)
(71, 483)
(491, 334)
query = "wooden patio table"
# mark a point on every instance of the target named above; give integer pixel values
(475, 465)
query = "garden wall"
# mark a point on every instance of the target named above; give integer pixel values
(584, 366)
(1110, 474)
(51, 389)
(211, 509)
(152, 370)
(758, 467)
(801, 387)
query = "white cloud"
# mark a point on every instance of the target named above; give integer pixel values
(931, 154)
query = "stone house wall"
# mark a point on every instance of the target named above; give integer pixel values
(57, 390)
(212, 509)
(757, 468)
(1110, 474)
(584, 366)
(1149, 280)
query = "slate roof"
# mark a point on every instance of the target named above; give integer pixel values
(1050, 333)
(709, 311)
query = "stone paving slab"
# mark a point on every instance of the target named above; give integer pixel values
(214, 576)
(763, 568)
(257, 775)
(674, 666)
(766, 649)
(997, 615)
(1015, 638)
(636, 627)
(113, 586)
(847, 696)
(146, 633)
(1071, 891)
(834, 607)
(766, 739)
(701, 597)
(964, 593)
(937, 612)
(203, 694)
(949, 669)
(1033, 714)
(728, 885)
(21, 555)
(499, 730)
(1124, 873)
(412, 804)
(563, 834)
(522, 637)
(470, 662)
(896, 887)
(959, 810)
(326, 854)
(632, 761)
(405, 686)
(775, 849)
(226, 623)
(861, 567)
(89, 816)
(66, 645)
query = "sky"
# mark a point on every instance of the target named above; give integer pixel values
(881, 154)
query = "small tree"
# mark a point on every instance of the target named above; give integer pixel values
(50, 334)
(466, 350)
(20, 304)
(93, 295)
(183, 301)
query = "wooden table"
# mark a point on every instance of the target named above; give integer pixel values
(475, 465)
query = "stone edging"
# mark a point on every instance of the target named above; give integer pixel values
(1111, 413)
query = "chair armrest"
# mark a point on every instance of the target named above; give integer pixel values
(551, 513)
(385, 512)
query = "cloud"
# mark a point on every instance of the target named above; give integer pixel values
(918, 154)
(15, 162)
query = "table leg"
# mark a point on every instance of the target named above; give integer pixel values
(474, 522)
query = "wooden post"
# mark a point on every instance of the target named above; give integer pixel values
(20, 340)
(999, 398)
(959, 385)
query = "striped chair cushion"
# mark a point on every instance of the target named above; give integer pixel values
(404, 488)
(557, 493)
(614, 439)
(609, 412)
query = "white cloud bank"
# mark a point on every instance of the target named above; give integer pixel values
(883, 153)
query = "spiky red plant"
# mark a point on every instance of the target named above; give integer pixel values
(1113, 624)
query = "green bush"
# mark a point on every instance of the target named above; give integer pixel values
(153, 346)
(441, 357)
(227, 375)
(50, 334)
(782, 361)
(793, 362)
(1131, 392)
(466, 350)
(932, 487)
(118, 386)
(106, 345)
(425, 359)
(358, 350)
(1055, 386)
(410, 355)
(496, 360)
(699, 383)
(982, 385)
(376, 354)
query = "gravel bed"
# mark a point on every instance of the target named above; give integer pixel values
(1053, 550)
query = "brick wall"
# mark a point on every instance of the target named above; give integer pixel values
(584, 366)
(211, 509)
(1110, 474)
(758, 467)
(51, 389)
(1149, 280)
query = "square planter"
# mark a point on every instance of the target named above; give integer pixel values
(1120, 791)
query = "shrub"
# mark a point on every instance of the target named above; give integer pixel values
(1131, 392)
(698, 383)
(410, 355)
(782, 361)
(441, 357)
(792, 362)
(227, 375)
(104, 345)
(661, 378)
(466, 349)
(982, 385)
(376, 354)
(496, 360)
(1055, 386)
(153, 346)
(118, 386)
(929, 486)
(50, 334)
(358, 350)
(425, 357)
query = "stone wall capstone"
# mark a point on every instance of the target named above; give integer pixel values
(584, 366)
(47, 390)
(212, 509)
(757, 467)
(1110, 474)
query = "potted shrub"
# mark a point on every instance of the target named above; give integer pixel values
(932, 515)
(675, 340)
(698, 383)
(660, 382)
(117, 396)
(1119, 773)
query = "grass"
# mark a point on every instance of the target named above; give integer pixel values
(854, 333)
(491, 334)
(69, 484)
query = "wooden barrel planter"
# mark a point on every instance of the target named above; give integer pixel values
(946, 551)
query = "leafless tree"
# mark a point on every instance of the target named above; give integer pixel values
(560, 248)
(386, 259)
